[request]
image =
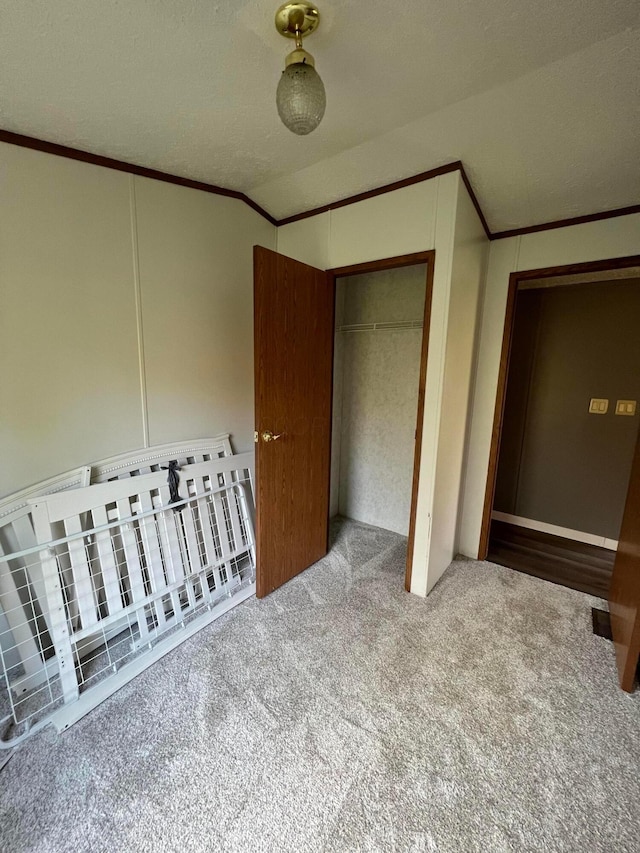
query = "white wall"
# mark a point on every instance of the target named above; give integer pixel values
(412, 219)
(460, 317)
(126, 314)
(396, 223)
(307, 240)
(593, 241)
(69, 385)
(196, 279)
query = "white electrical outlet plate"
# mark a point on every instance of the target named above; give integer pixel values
(598, 406)
(626, 407)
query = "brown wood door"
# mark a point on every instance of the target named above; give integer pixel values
(624, 595)
(293, 327)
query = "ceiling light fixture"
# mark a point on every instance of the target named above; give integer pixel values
(300, 98)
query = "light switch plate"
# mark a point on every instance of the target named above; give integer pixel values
(598, 406)
(626, 407)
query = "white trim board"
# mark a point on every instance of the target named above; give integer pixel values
(554, 530)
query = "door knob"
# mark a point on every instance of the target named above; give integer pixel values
(267, 435)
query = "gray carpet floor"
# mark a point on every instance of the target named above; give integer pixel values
(342, 714)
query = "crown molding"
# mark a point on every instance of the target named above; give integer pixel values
(122, 166)
(564, 223)
(386, 188)
(23, 141)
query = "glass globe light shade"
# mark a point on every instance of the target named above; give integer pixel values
(301, 98)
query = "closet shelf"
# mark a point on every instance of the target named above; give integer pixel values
(381, 327)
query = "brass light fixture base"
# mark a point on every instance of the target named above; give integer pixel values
(299, 56)
(296, 20)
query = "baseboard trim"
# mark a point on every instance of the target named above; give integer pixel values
(555, 530)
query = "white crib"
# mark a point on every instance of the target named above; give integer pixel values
(97, 581)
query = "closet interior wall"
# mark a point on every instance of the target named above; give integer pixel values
(376, 373)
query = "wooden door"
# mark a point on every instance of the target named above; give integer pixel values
(624, 594)
(293, 327)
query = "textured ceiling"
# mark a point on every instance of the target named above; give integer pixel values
(540, 101)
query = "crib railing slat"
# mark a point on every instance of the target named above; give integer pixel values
(153, 556)
(82, 584)
(134, 566)
(57, 618)
(108, 564)
(204, 510)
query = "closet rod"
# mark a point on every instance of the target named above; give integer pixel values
(381, 327)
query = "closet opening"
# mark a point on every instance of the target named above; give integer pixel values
(568, 423)
(382, 312)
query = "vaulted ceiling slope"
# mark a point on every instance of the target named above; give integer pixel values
(540, 100)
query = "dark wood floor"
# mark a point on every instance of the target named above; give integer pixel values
(574, 564)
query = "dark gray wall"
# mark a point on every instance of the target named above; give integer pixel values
(558, 463)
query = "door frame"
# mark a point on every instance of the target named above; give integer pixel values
(501, 393)
(427, 257)
(624, 592)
